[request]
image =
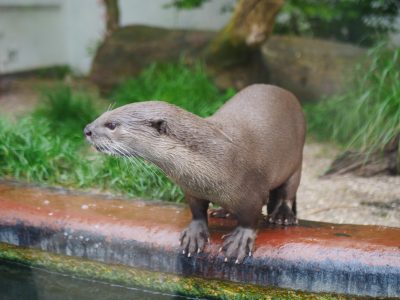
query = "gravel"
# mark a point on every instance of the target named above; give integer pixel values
(345, 198)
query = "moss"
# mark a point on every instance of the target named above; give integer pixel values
(132, 277)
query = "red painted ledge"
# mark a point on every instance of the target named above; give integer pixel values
(315, 257)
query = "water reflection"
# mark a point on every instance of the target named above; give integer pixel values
(18, 282)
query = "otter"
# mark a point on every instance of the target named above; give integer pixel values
(246, 157)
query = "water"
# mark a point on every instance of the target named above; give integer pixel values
(18, 282)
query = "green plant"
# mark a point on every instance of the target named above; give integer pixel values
(30, 150)
(185, 4)
(367, 116)
(66, 110)
(361, 22)
(178, 84)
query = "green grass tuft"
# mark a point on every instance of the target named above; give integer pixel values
(367, 116)
(31, 150)
(66, 110)
(189, 88)
(48, 146)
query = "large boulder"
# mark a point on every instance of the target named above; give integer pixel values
(310, 68)
(130, 49)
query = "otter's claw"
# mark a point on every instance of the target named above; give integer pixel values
(282, 215)
(220, 213)
(239, 243)
(194, 238)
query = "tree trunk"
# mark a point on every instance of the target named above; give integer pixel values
(112, 15)
(250, 25)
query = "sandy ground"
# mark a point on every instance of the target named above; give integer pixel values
(345, 198)
(338, 199)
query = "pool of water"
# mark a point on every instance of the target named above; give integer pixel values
(19, 282)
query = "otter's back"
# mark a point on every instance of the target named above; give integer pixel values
(269, 122)
(261, 104)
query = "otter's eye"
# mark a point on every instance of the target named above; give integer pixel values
(110, 125)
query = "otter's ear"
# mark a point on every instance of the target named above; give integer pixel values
(160, 125)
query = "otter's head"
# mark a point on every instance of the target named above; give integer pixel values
(141, 129)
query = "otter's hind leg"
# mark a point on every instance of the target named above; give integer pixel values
(282, 205)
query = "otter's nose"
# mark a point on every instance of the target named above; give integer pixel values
(87, 131)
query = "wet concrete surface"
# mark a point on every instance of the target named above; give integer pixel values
(317, 257)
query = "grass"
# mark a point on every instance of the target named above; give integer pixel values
(48, 145)
(189, 88)
(367, 116)
(66, 110)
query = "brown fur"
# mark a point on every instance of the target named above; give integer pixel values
(249, 150)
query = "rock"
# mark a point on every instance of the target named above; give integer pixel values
(241, 75)
(310, 68)
(130, 49)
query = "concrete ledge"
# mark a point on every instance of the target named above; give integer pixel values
(312, 257)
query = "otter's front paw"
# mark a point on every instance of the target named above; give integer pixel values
(194, 238)
(282, 215)
(239, 243)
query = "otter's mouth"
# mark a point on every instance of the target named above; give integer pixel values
(100, 148)
(111, 148)
(112, 151)
(106, 150)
